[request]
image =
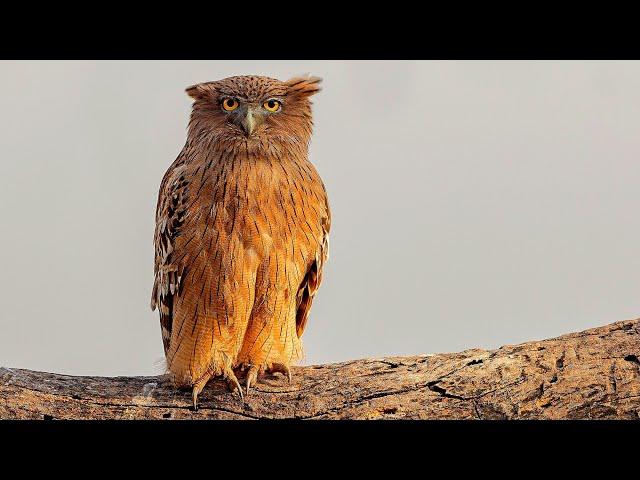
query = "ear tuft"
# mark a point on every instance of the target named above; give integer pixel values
(304, 86)
(200, 90)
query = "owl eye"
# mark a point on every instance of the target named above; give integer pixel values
(230, 104)
(272, 105)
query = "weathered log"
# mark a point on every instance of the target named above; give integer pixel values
(594, 374)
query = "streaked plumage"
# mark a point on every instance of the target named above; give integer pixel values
(241, 236)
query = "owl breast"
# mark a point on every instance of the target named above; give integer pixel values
(261, 203)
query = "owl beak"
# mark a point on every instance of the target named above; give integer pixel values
(251, 121)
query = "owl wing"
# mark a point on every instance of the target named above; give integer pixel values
(311, 281)
(168, 269)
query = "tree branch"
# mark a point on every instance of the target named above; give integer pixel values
(590, 374)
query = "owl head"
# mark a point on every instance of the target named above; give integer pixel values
(253, 111)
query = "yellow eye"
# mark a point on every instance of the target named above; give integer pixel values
(230, 104)
(271, 105)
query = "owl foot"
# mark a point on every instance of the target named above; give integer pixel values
(228, 375)
(282, 368)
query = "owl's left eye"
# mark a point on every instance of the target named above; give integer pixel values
(272, 105)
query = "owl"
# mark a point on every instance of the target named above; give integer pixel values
(241, 237)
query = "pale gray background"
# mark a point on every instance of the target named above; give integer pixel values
(474, 204)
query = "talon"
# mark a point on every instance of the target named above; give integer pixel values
(194, 395)
(252, 377)
(197, 388)
(282, 368)
(234, 384)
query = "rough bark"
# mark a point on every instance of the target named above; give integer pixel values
(594, 374)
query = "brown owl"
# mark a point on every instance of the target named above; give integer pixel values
(241, 236)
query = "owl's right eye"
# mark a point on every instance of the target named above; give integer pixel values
(229, 104)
